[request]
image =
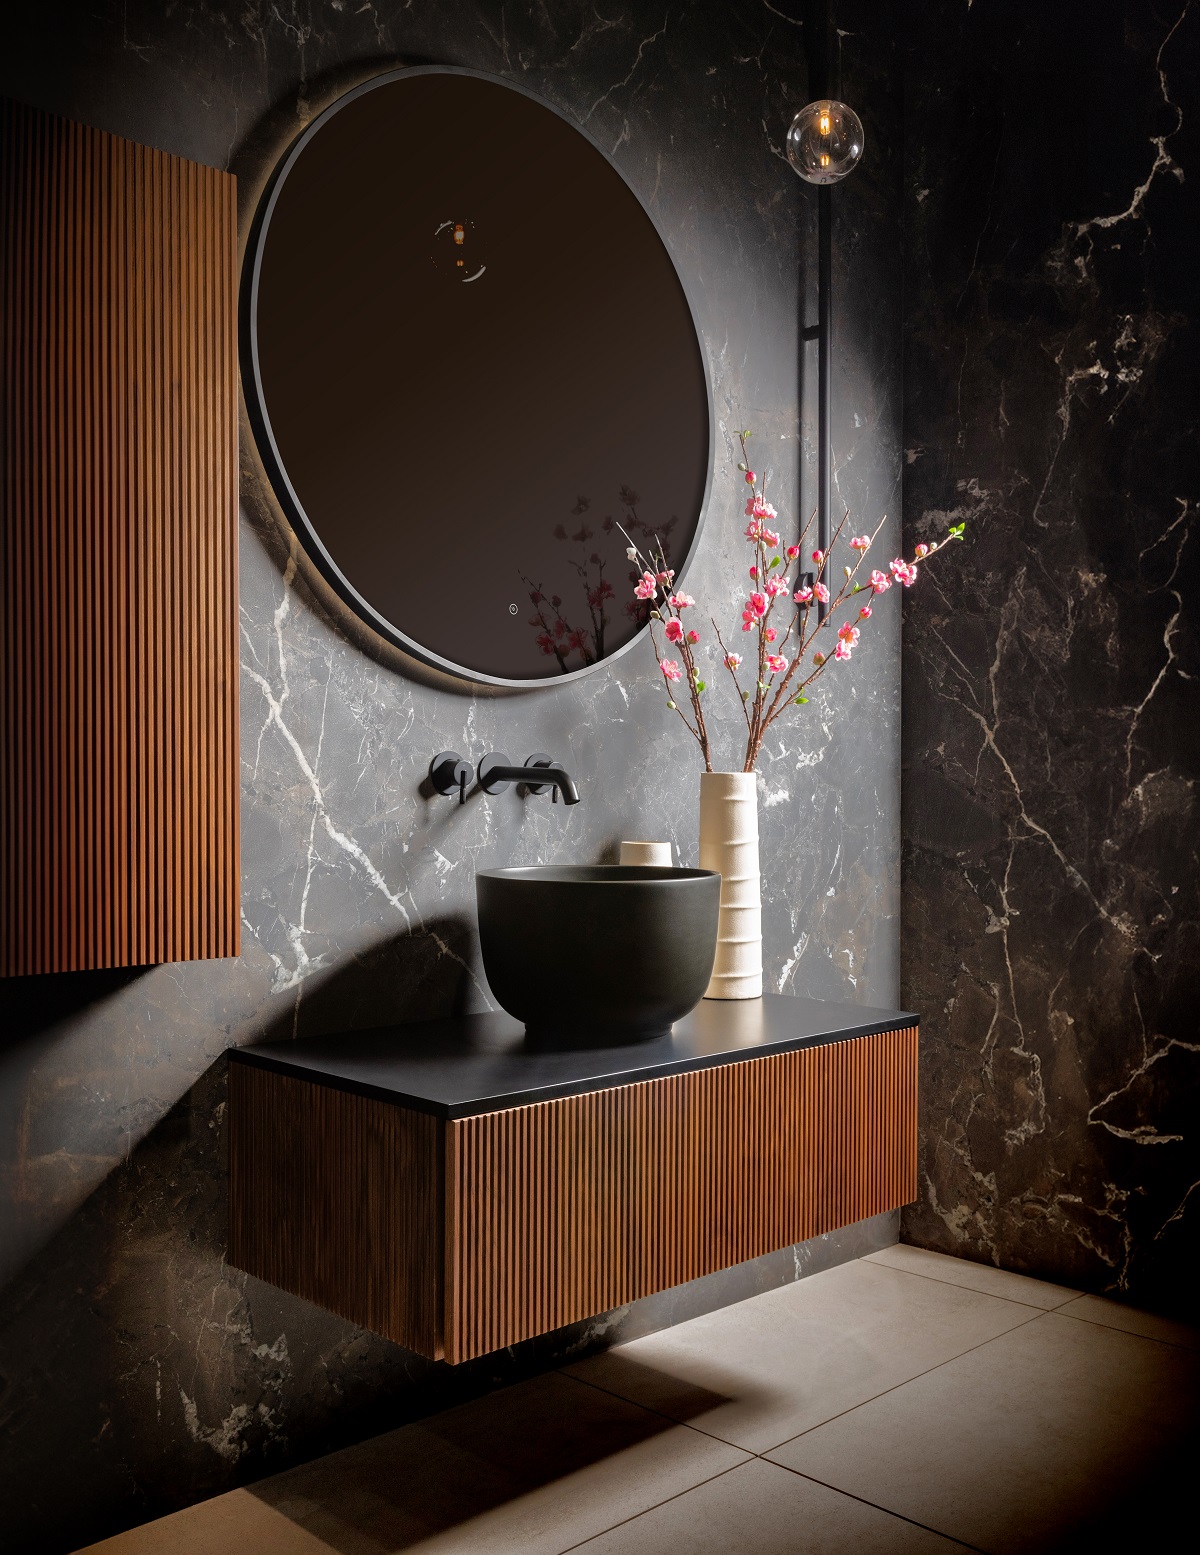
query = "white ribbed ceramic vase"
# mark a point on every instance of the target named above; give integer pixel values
(729, 844)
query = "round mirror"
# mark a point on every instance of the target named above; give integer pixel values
(473, 371)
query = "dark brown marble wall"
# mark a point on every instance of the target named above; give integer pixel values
(139, 1370)
(1051, 921)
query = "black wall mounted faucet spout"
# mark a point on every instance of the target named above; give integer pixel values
(539, 773)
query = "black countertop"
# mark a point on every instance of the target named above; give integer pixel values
(480, 1063)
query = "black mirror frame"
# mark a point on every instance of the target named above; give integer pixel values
(261, 423)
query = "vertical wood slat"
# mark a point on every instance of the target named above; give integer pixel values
(338, 1198)
(563, 1209)
(118, 490)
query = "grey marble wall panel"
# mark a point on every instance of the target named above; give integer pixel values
(138, 1371)
(1051, 922)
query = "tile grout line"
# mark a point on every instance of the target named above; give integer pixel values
(974, 1289)
(757, 1458)
(916, 1377)
(691, 1426)
(1173, 1344)
(1078, 1295)
(876, 1506)
(666, 1501)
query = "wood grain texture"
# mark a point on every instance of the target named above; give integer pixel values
(563, 1209)
(118, 693)
(338, 1198)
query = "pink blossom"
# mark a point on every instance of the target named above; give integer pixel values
(860, 542)
(842, 651)
(848, 634)
(756, 507)
(693, 637)
(803, 596)
(750, 477)
(775, 586)
(776, 663)
(865, 613)
(670, 669)
(673, 631)
(748, 620)
(770, 634)
(821, 592)
(792, 552)
(732, 660)
(681, 601)
(922, 550)
(880, 581)
(758, 603)
(770, 538)
(665, 577)
(545, 642)
(648, 587)
(577, 639)
(754, 572)
(903, 572)
(818, 557)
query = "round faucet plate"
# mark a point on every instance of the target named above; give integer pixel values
(487, 765)
(538, 759)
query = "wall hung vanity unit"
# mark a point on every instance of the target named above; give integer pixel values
(456, 1191)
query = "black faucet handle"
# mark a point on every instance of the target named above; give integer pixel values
(450, 774)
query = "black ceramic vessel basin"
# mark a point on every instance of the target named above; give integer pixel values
(597, 953)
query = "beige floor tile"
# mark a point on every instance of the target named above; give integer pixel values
(1059, 1435)
(236, 1522)
(530, 1470)
(975, 1276)
(768, 1511)
(760, 1372)
(1113, 1314)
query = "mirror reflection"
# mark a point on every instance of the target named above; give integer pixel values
(473, 365)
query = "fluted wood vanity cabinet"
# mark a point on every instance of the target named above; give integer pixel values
(445, 1187)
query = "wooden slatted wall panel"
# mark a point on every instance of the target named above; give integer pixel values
(337, 1198)
(567, 1208)
(118, 779)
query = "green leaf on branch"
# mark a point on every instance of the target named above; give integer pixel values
(774, 562)
(799, 700)
(701, 685)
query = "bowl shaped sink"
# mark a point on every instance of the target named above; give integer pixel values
(593, 953)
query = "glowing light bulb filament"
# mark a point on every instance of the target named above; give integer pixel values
(823, 124)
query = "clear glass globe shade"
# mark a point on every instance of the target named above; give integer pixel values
(825, 142)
